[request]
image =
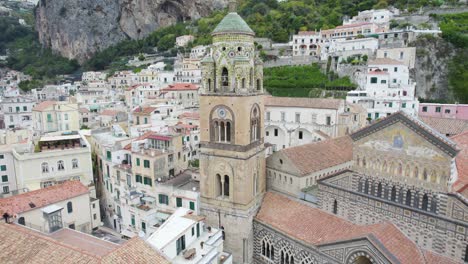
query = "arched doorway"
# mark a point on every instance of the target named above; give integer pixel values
(362, 260)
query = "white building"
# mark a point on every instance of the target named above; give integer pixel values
(91, 76)
(18, 111)
(198, 52)
(297, 121)
(379, 16)
(7, 171)
(47, 210)
(187, 70)
(407, 55)
(185, 238)
(388, 89)
(54, 159)
(185, 94)
(344, 48)
(307, 43)
(184, 40)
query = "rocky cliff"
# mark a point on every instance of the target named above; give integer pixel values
(79, 28)
(433, 55)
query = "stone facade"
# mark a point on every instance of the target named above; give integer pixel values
(401, 174)
(232, 160)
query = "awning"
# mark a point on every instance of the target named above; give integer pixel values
(56, 138)
(51, 208)
(149, 199)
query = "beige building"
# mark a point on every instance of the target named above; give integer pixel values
(407, 55)
(47, 210)
(185, 94)
(53, 116)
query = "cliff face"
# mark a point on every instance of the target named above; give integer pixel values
(79, 28)
(433, 55)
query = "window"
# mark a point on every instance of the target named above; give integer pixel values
(133, 220)
(438, 109)
(138, 161)
(6, 189)
(373, 80)
(328, 120)
(109, 155)
(447, 111)
(335, 207)
(21, 221)
(163, 199)
(268, 116)
(268, 249)
(143, 226)
(425, 202)
(146, 163)
(74, 163)
(2, 156)
(276, 132)
(60, 165)
(179, 202)
(408, 198)
(139, 178)
(192, 205)
(283, 116)
(424, 109)
(180, 244)
(226, 185)
(395, 69)
(198, 229)
(147, 181)
(4, 178)
(298, 117)
(69, 207)
(300, 134)
(65, 117)
(390, 104)
(403, 105)
(286, 256)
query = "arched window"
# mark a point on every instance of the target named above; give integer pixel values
(226, 185)
(408, 198)
(21, 221)
(268, 250)
(335, 207)
(407, 171)
(434, 204)
(219, 185)
(259, 85)
(364, 162)
(307, 260)
(384, 166)
(425, 177)
(225, 79)
(416, 200)
(60, 165)
(228, 131)
(360, 185)
(373, 185)
(243, 82)
(416, 172)
(45, 167)
(251, 78)
(425, 202)
(400, 170)
(379, 190)
(366, 187)
(69, 207)
(393, 194)
(209, 85)
(465, 259)
(74, 163)
(222, 133)
(433, 176)
(286, 256)
(255, 124)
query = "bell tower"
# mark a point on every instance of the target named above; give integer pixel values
(232, 162)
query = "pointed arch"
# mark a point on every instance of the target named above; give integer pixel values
(335, 207)
(225, 78)
(379, 190)
(416, 172)
(425, 202)
(407, 171)
(408, 198)
(393, 194)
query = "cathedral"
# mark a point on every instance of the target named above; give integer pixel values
(399, 197)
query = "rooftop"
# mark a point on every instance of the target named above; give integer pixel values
(317, 156)
(23, 245)
(44, 105)
(385, 61)
(39, 198)
(446, 126)
(181, 87)
(303, 102)
(316, 227)
(234, 24)
(461, 160)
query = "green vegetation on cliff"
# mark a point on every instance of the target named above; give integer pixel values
(302, 81)
(26, 54)
(455, 30)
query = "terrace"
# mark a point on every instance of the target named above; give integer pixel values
(59, 142)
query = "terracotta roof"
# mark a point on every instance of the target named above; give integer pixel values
(144, 110)
(304, 102)
(109, 112)
(385, 61)
(135, 251)
(316, 227)
(432, 257)
(44, 105)
(83, 110)
(446, 125)
(194, 115)
(22, 202)
(144, 136)
(320, 155)
(24, 245)
(181, 87)
(461, 160)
